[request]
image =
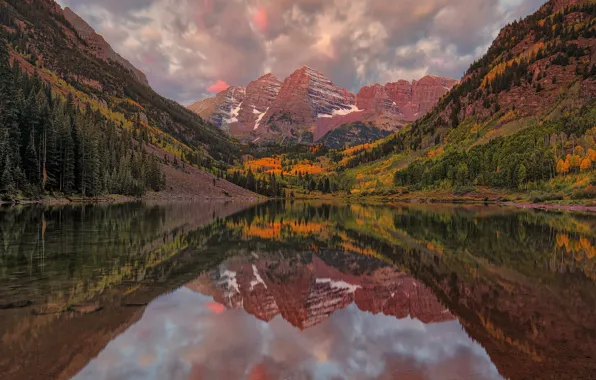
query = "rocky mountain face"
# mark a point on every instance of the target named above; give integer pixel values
(308, 105)
(224, 108)
(260, 95)
(387, 107)
(415, 99)
(305, 96)
(99, 45)
(305, 293)
(237, 109)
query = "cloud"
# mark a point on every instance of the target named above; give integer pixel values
(189, 341)
(218, 86)
(184, 46)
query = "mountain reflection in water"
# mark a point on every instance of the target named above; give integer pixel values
(296, 291)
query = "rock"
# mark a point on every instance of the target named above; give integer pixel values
(308, 105)
(307, 293)
(305, 96)
(143, 118)
(414, 100)
(222, 109)
(85, 308)
(260, 95)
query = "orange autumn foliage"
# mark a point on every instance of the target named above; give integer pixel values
(574, 161)
(436, 152)
(307, 169)
(563, 167)
(266, 165)
(356, 149)
(586, 164)
(580, 248)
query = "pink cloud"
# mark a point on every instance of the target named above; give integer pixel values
(218, 86)
(215, 307)
(260, 20)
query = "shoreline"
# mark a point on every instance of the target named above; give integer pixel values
(587, 206)
(117, 199)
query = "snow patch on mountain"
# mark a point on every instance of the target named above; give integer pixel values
(261, 115)
(229, 279)
(339, 284)
(233, 117)
(341, 111)
(258, 280)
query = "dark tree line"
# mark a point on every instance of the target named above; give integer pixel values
(268, 184)
(52, 145)
(319, 183)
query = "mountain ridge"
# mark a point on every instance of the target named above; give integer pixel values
(71, 64)
(307, 105)
(536, 82)
(103, 49)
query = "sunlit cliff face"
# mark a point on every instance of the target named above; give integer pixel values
(190, 48)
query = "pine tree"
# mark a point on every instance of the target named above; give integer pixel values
(31, 161)
(7, 183)
(67, 159)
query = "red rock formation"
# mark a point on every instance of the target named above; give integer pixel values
(306, 295)
(224, 108)
(391, 106)
(305, 96)
(260, 95)
(308, 105)
(415, 99)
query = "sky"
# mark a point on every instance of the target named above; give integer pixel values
(191, 49)
(186, 336)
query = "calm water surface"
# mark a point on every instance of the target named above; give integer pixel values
(296, 291)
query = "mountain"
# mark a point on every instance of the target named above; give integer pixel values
(388, 107)
(521, 118)
(99, 45)
(306, 290)
(307, 106)
(57, 68)
(223, 109)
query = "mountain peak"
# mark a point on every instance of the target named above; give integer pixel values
(308, 104)
(268, 76)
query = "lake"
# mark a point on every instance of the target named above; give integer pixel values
(294, 290)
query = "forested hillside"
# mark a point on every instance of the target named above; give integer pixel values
(76, 122)
(47, 143)
(521, 121)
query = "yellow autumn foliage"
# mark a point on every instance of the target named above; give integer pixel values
(501, 67)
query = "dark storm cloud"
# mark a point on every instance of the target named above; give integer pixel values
(185, 46)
